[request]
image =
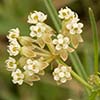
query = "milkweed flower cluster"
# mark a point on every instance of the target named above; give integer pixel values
(62, 74)
(29, 56)
(71, 27)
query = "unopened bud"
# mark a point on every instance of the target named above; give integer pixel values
(22, 61)
(25, 40)
(27, 51)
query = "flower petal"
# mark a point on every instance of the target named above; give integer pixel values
(40, 42)
(75, 41)
(69, 49)
(64, 55)
(44, 65)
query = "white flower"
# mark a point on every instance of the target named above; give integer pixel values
(62, 74)
(37, 31)
(13, 48)
(18, 77)
(13, 34)
(34, 66)
(36, 17)
(11, 64)
(66, 13)
(31, 67)
(42, 16)
(74, 28)
(61, 42)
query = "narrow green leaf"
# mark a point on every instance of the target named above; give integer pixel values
(95, 39)
(78, 65)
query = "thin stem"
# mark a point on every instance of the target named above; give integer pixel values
(51, 48)
(52, 15)
(41, 54)
(42, 50)
(81, 80)
(55, 12)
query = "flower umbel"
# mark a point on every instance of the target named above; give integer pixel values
(71, 27)
(62, 74)
(61, 42)
(62, 46)
(29, 56)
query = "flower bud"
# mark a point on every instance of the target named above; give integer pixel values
(22, 61)
(30, 79)
(25, 40)
(27, 51)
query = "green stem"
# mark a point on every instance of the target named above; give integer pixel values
(51, 48)
(55, 12)
(78, 65)
(40, 49)
(48, 6)
(76, 76)
(95, 40)
(81, 80)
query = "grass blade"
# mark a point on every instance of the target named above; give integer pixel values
(95, 39)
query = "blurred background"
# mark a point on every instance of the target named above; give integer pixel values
(13, 13)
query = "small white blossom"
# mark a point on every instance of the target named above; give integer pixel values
(33, 66)
(62, 74)
(74, 28)
(18, 77)
(13, 48)
(13, 34)
(37, 31)
(11, 64)
(61, 42)
(36, 17)
(66, 13)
